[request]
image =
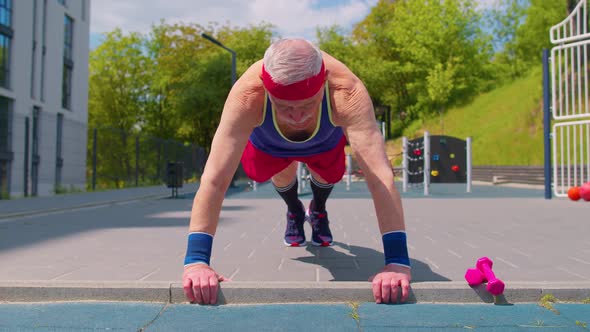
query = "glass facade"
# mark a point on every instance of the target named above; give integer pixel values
(66, 96)
(6, 13)
(58, 150)
(5, 41)
(5, 144)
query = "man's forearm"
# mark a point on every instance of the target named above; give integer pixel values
(206, 209)
(388, 205)
(390, 216)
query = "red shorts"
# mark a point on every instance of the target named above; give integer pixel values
(261, 166)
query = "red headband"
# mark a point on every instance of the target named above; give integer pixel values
(299, 90)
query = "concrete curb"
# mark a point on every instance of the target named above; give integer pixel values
(46, 291)
(508, 184)
(284, 292)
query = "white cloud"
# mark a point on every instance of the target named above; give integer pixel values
(291, 18)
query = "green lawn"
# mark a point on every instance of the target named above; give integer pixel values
(506, 124)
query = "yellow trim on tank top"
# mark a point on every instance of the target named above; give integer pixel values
(327, 92)
(263, 109)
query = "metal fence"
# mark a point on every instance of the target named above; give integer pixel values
(119, 159)
(566, 98)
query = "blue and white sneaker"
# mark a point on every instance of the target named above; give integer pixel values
(320, 229)
(294, 234)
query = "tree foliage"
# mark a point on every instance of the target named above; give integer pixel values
(171, 83)
(418, 57)
(117, 87)
(533, 36)
(521, 32)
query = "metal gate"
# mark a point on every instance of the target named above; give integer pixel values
(570, 101)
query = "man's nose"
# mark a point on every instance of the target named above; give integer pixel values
(297, 114)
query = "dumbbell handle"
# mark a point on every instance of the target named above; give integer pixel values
(488, 272)
(495, 285)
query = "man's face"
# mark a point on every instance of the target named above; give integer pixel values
(297, 114)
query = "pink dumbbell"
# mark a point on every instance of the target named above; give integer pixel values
(482, 273)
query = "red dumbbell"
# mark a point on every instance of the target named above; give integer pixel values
(483, 272)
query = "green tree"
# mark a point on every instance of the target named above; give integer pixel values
(533, 36)
(159, 118)
(117, 81)
(335, 42)
(400, 43)
(521, 32)
(440, 85)
(171, 84)
(505, 20)
(197, 73)
(117, 85)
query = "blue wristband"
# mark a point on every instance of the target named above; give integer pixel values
(395, 248)
(199, 248)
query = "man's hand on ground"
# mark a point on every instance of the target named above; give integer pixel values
(387, 284)
(200, 283)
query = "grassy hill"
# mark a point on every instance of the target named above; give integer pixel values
(506, 124)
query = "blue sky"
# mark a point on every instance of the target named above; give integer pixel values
(291, 18)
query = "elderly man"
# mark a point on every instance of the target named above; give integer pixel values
(297, 104)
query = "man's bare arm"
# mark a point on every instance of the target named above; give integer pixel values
(241, 114)
(367, 143)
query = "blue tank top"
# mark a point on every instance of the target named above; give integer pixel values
(268, 138)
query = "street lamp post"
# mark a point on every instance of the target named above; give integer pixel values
(233, 55)
(233, 75)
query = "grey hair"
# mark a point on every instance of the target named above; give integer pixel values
(292, 60)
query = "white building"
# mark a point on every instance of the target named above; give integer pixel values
(44, 47)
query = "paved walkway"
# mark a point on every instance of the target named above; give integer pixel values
(135, 240)
(45, 204)
(128, 246)
(291, 317)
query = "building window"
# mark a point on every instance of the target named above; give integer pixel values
(68, 67)
(4, 124)
(62, 2)
(66, 100)
(36, 158)
(83, 10)
(4, 168)
(6, 13)
(68, 37)
(5, 145)
(43, 49)
(5, 41)
(58, 151)
(34, 50)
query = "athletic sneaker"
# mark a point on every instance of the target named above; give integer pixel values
(320, 235)
(294, 234)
